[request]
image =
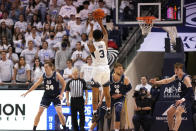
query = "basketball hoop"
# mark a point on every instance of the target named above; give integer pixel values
(146, 24)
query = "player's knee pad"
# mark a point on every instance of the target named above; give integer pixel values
(118, 109)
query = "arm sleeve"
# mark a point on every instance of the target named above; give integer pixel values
(127, 88)
(189, 94)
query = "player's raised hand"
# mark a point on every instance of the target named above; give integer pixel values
(24, 95)
(153, 81)
(60, 97)
(91, 24)
(99, 20)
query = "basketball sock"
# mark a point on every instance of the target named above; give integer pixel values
(34, 128)
(64, 127)
(94, 112)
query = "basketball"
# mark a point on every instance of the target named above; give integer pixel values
(98, 14)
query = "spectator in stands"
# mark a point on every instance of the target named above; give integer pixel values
(30, 53)
(45, 54)
(144, 83)
(60, 21)
(19, 43)
(46, 32)
(38, 70)
(35, 37)
(9, 22)
(4, 43)
(30, 10)
(21, 24)
(6, 68)
(143, 105)
(84, 43)
(67, 9)
(36, 23)
(11, 55)
(93, 5)
(91, 20)
(72, 21)
(85, 11)
(41, 8)
(59, 33)
(86, 72)
(106, 11)
(67, 74)
(79, 56)
(50, 21)
(5, 31)
(2, 9)
(14, 12)
(76, 30)
(62, 56)
(28, 31)
(54, 9)
(21, 72)
(16, 32)
(51, 42)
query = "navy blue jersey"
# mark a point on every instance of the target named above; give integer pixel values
(51, 86)
(182, 89)
(117, 87)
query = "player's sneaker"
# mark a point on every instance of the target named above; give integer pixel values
(108, 114)
(95, 117)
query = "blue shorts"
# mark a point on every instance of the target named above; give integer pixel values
(45, 102)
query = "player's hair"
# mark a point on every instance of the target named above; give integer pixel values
(49, 64)
(116, 65)
(97, 35)
(178, 66)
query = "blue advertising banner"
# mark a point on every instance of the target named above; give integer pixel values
(160, 116)
(53, 122)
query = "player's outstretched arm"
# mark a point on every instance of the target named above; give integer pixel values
(90, 40)
(164, 81)
(60, 78)
(35, 85)
(105, 33)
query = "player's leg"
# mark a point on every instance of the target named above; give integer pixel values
(37, 117)
(57, 104)
(61, 116)
(178, 120)
(170, 116)
(105, 81)
(118, 109)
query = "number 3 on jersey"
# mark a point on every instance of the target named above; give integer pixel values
(49, 87)
(102, 54)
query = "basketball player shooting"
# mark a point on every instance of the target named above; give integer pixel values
(52, 93)
(98, 45)
(186, 95)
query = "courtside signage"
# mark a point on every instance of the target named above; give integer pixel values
(18, 113)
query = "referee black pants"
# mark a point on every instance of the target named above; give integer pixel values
(77, 105)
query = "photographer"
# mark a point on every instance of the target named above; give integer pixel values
(143, 107)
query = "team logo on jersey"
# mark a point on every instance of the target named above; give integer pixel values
(117, 90)
(48, 82)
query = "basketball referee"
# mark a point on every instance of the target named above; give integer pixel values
(76, 86)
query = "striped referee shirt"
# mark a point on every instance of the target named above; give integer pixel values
(76, 87)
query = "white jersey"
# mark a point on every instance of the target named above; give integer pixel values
(99, 56)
